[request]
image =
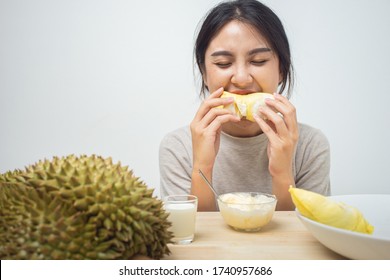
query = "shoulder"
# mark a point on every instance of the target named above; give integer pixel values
(312, 142)
(176, 142)
(312, 160)
(311, 135)
(180, 135)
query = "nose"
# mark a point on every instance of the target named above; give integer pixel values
(241, 77)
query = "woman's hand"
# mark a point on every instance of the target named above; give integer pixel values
(282, 132)
(206, 131)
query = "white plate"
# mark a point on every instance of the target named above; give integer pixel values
(354, 245)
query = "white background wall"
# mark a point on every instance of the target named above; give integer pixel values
(113, 77)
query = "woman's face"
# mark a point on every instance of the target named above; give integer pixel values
(240, 60)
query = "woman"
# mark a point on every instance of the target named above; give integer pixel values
(242, 48)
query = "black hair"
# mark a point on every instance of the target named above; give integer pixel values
(262, 18)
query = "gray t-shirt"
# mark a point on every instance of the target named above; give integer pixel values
(242, 163)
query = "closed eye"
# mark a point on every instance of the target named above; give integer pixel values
(259, 62)
(223, 64)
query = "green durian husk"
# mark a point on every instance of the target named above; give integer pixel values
(82, 207)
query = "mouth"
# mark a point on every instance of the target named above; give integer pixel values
(242, 91)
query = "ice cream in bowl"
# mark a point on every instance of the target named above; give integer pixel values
(247, 211)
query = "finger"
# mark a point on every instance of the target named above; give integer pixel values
(266, 128)
(210, 102)
(220, 120)
(275, 119)
(208, 105)
(213, 114)
(216, 93)
(283, 105)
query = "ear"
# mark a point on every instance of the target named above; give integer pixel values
(280, 77)
(204, 78)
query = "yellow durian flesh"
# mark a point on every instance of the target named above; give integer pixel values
(246, 105)
(326, 211)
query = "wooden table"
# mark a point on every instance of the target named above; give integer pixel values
(285, 237)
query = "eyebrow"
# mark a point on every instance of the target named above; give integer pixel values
(259, 50)
(252, 52)
(223, 53)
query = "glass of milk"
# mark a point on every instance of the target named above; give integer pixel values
(182, 212)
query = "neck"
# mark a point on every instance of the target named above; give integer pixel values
(242, 129)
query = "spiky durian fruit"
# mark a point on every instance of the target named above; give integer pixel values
(79, 208)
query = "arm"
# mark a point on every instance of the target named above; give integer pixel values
(282, 133)
(205, 131)
(312, 161)
(175, 163)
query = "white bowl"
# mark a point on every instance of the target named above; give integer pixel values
(247, 211)
(354, 245)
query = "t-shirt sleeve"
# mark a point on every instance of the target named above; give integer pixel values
(175, 163)
(313, 163)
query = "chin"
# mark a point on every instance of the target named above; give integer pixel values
(243, 128)
(245, 123)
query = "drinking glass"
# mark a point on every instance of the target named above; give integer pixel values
(182, 213)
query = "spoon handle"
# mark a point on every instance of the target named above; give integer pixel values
(208, 182)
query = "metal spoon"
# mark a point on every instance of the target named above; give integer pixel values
(208, 182)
